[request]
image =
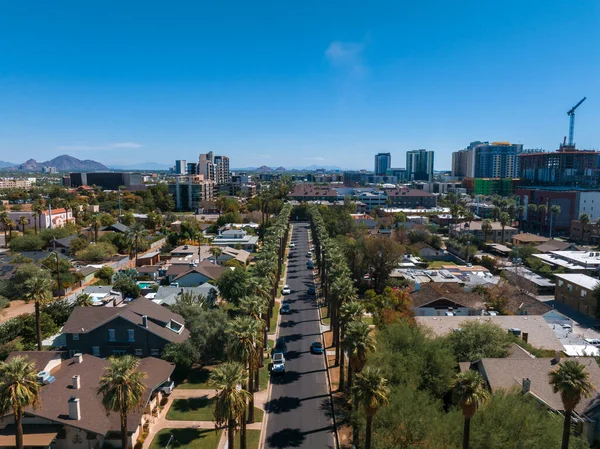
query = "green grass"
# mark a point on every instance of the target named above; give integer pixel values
(326, 321)
(188, 438)
(438, 264)
(368, 320)
(273, 322)
(199, 409)
(252, 437)
(264, 371)
(197, 379)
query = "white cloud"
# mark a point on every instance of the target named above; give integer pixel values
(348, 55)
(110, 146)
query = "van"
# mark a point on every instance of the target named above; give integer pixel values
(280, 346)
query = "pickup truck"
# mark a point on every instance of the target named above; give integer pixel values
(167, 387)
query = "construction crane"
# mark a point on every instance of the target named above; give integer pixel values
(571, 115)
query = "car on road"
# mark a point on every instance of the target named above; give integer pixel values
(286, 290)
(278, 366)
(285, 309)
(280, 346)
(292, 245)
(316, 347)
(311, 291)
(309, 254)
(310, 265)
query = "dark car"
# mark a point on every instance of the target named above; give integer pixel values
(311, 291)
(310, 265)
(316, 347)
(285, 309)
(280, 346)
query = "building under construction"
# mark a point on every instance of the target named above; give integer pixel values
(564, 167)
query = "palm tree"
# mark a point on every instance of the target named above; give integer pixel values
(504, 221)
(230, 406)
(486, 227)
(23, 221)
(19, 388)
(244, 335)
(571, 381)
(38, 288)
(520, 212)
(543, 211)
(584, 220)
(11, 225)
(84, 300)
(470, 392)
(216, 252)
(37, 207)
(4, 220)
(349, 312)
(96, 223)
(372, 392)
(122, 390)
(134, 234)
(554, 213)
(256, 306)
(532, 210)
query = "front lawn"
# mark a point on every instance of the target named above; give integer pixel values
(197, 379)
(199, 409)
(273, 322)
(252, 437)
(188, 439)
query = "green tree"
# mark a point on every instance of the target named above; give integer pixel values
(84, 300)
(23, 221)
(554, 213)
(216, 252)
(122, 390)
(230, 406)
(26, 243)
(106, 274)
(233, 285)
(542, 211)
(572, 382)
(39, 290)
(486, 228)
(371, 390)
(124, 282)
(382, 256)
(504, 221)
(477, 340)
(19, 389)
(4, 220)
(469, 391)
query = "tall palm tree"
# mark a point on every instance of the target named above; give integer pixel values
(349, 312)
(554, 213)
(134, 234)
(122, 390)
(520, 212)
(244, 335)
(4, 220)
(230, 406)
(504, 221)
(542, 210)
(531, 210)
(96, 223)
(256, 306)
(486, 228)
(584, 220)
(371, 390)
(469, 391)
(84, 300)
(38, 207)
(38, 288)
(572, 382)
(23, 221)
(19, 388)
(11, 225)
(216, 252)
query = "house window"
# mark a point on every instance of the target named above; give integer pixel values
(583, 293)
(560, 283)
(111, 335)
(130, 335)
(154, 352)
(138, 352)
(96, 351)
(118, 352)
(569, 287)
(76, 337)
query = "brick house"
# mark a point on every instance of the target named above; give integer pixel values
(576, 291)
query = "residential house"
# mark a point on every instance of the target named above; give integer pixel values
(88, 274)
(168, 295)
(229, 253)
(185, 252)
(115, 227)
(475, 228)
(530, 281)
(532, 328)
(236, 238)
(150, 272)
(198, 274)
(141, 328)
(526, 238)
(438, 299)
(428, 252)
(151, 258)
(577, 291)
(70, 414)
(531, 376)
(410, 198)
(572, 261)
(588, 233)
(62, 245)
(101, 295)
(555, 245)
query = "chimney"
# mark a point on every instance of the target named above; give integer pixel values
(526, 385)
(76, 382)
(557, 357)
(78, 357)
(145, 321)
(74, 408)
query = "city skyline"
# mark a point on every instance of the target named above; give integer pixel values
(279, 86)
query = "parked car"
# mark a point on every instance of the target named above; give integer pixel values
(311, 291)
(280, 346)
(167, 387)
(310, 265)
(285, 309)
(292, 245)
(286, 290)
(316, 347)
(309, 254)
(278, 366)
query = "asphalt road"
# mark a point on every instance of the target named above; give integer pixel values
(299, 409)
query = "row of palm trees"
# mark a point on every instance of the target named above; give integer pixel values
(543, 213)
(237, 379)
(352, 337)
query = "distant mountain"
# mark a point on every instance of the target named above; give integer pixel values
(63, 163)
(4, 164)
(280, 169)
(142, 166)
(264, 168)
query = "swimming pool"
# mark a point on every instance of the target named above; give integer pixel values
(145, 284)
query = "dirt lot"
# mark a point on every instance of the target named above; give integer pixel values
(16, 308)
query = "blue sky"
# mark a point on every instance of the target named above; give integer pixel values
(293, 83)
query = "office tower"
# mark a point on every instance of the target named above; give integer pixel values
(206, 165)
(222, 174)
(383, 161)
(181, 167)
(419, 165)
(192, 168)
(496, 159)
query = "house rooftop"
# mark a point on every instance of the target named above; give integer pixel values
(529, 238)
(579, 279)
(434, 291)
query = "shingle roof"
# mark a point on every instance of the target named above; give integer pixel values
(54, 396)
(205, 268)
(554, 245)
(65, 241)
(117, 227)
(529, 238)
(433, 291)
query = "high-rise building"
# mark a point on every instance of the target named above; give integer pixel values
(108, 180)
(206, 165)
(496, 160)
(419, 165)
(181, 167)
(566, 167)
(222, 174)
(383, 161)
(190, 191)
(192, 168)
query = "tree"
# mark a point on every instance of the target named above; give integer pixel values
(572, 382)
(584, 219)
(554, 213)
(23, 221)
(39, 289)
(134, 234)
(98, 252)
(96, 223)
(124, 282)
(477, 340)
(106, 274)
(371, 390)
(233, 285)
(469, 391)
(349, 312)
(216, 252)
(84, 300)
(520, 212)
(122, 390)
(382, 256)
(19, 388)
(230, 406)
(4, 220)
(542, 210)
(486, 228)
(531, 210)
(504, 221)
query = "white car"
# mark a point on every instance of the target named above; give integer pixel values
(292, 245)
(286, 290)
